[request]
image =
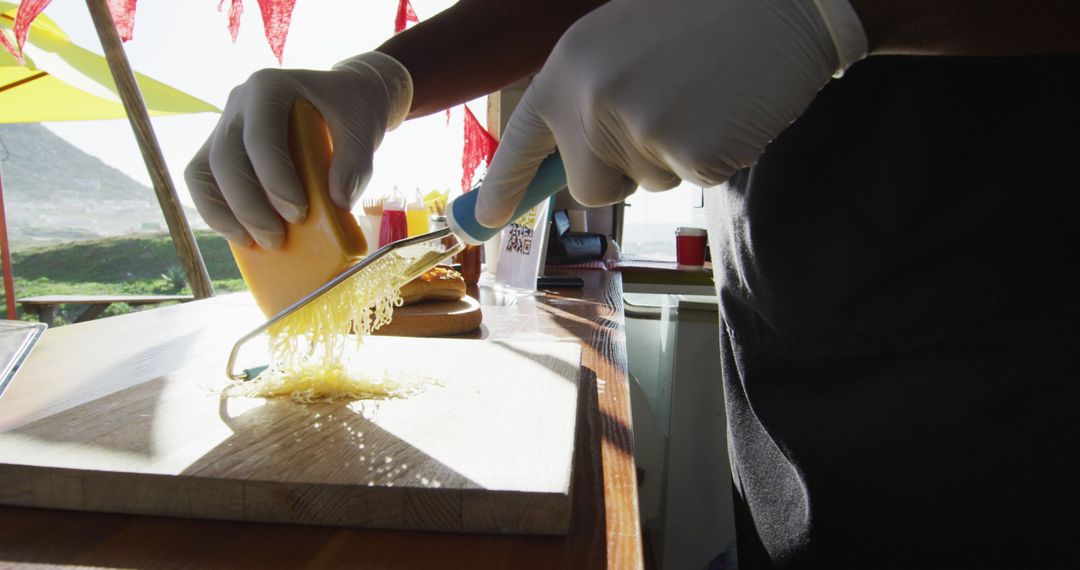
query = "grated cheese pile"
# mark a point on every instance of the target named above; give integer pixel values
(317, 351)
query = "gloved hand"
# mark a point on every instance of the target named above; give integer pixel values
(243, 180)
(640, 92)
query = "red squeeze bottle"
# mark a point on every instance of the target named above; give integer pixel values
(469, 258)
(394, 225)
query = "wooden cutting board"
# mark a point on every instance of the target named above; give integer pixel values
(129, 418)
(434, 318)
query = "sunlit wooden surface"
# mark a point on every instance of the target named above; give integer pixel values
(604, 532)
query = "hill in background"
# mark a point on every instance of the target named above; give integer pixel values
(54, 192)
(119, 259)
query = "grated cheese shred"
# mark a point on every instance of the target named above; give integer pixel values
(317, 351)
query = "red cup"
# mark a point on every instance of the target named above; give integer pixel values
(690, 246)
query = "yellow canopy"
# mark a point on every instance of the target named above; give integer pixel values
(31, 94)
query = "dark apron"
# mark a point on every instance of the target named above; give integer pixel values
(900, 338)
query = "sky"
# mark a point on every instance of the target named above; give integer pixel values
(187, 45)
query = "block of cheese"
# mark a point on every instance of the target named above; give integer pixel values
(316, 250)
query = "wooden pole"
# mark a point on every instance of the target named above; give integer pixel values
(183, 239)
(5, 253)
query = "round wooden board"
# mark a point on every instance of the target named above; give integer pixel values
(436, 318)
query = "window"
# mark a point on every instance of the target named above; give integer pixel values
(650, 220)
(81, 213)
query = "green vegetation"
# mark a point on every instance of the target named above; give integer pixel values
(120, 259)
(175, 278)
(132, 265)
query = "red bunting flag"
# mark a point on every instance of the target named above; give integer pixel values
(276, 16)
(405, 14)
(479, 146)
(236, 9)
(28, 10)
(123, 15)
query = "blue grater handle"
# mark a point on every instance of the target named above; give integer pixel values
(461, 215)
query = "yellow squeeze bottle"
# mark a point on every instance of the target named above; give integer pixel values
(327, 242)
(416, 215)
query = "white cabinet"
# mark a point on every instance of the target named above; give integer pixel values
(680, 428)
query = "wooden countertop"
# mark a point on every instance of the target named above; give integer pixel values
(605, 531)
(639, 269)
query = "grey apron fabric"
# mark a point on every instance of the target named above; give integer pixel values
(899, 332)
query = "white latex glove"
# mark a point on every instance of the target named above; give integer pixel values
(243, 180)
(640, 92)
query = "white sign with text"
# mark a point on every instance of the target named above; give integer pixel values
(523, 248)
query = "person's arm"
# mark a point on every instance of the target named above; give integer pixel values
(477, 46)
(970, 27)
(635, 96)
